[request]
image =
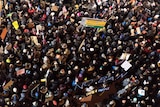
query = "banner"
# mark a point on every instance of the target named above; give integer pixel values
(93, 22)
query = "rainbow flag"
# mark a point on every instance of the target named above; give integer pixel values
(93, 22)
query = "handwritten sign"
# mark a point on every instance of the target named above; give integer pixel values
(86, 99)
(8, 85)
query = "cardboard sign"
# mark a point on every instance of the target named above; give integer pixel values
(3, 34)
(86, 99)
(93, 22)
(20, 72)
(124, 56)
(8, 85)
(54, 7)
(15, 25)
(34, 40)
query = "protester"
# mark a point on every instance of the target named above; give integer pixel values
(46, 52)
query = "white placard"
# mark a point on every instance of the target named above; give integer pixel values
(141, 92)
(126, 65)
(124, 56)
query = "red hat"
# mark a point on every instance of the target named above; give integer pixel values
(26, 30)
(54, 102)
(24, 87)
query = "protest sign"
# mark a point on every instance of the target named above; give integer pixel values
(86, 99)
(3, 34)
(101, 80)
(8, 85)
(93, 22)
(124, 56)
(34, 39)
(54, 7)
(20, 72)
(126, 65)
(141, 92)
(15, 25)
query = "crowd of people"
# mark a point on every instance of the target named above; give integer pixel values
(46, 51)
